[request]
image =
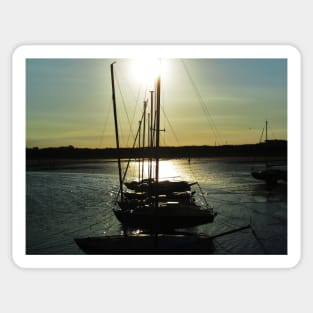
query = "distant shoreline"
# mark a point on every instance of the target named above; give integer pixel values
(271, 148)
(53, 158)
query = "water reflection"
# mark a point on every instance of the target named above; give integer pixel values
(62, 204)
(168, 169)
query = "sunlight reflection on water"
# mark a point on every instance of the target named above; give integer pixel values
(168, 169)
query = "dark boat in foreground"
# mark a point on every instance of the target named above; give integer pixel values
(169, 244)
(169, 215)
(161, 187)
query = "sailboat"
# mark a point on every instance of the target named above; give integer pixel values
(271, 174)
(159, 207)
(157, 204)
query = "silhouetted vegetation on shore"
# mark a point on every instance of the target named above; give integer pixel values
(271, 148)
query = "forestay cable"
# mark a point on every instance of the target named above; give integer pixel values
(203, 105)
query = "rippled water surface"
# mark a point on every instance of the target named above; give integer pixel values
(76, 200)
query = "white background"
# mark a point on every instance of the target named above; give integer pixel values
(161, 22)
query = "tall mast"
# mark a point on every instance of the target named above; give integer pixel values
(157, 141)
(116, 130)
(151, 132)
(266, 122)
(151, 119)
(144, 124)
(157, 145)
(139, 142)
(144, 135)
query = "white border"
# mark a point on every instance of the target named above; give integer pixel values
(163, 261)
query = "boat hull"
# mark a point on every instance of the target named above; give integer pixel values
(157, 188)
(166, 244)
(185, 196)
(165, 217)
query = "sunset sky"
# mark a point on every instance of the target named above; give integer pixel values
(204, 101)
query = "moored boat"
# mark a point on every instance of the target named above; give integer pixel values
(156, 206)
(271, 174)
(168, 215)
(161, 187)
(152, 210)
(170, 244)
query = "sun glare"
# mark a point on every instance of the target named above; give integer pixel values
(147, 70)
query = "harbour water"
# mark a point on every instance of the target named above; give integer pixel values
(75, 200)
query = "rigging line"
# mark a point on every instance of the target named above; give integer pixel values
(136, 105)
(105, 125)
(135, 110)
(273, 135)
(201, 192)
(162, 106)
(123, 101)
(170, 125)
(136, 97)
(168, 121)
(261, 135)
(203, 104)
(128, 161)
(126, 79)
(214, 125)
(213, 122)
(203, 196)
(137, 102)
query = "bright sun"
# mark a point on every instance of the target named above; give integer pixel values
(147, 70)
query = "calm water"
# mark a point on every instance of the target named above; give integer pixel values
(76, 200)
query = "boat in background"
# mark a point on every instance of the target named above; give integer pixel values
(271, 173)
